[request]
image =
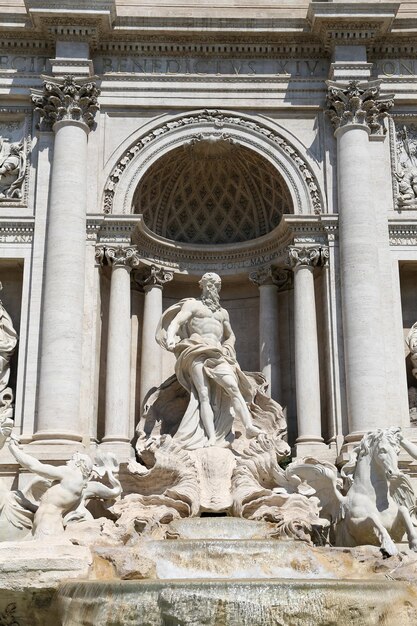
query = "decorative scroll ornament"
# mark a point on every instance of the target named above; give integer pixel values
(153, 276)
(121, 257)
(67, 99)
(358, 103)
(298, 256)
(268, 275)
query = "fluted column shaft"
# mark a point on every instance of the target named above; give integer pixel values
(61, 334)
(117, 406)
(307, 376)
(356, 113)
(152, 280)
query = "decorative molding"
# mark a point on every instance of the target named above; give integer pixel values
(289, 50)
(152, 276)
(16, 231)
(67, 99)
(403, 234)
(220, 120)
(184, 257)
(358, 103)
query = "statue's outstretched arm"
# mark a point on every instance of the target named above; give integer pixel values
(42, 469)
(409, 447)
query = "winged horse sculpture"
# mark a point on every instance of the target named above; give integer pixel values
(378, 506)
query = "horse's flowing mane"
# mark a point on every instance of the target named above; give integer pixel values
(367, 446)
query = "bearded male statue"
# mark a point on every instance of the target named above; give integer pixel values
(199, 333)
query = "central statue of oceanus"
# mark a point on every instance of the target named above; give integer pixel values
(199, 333)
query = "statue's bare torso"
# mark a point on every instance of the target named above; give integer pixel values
(207, 324)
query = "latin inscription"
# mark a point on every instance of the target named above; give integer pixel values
(210, 66)
(395, 67)
(207, 66)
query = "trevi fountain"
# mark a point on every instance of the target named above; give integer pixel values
(208, 315)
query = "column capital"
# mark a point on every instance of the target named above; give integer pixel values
(269, 275)
(121, 257)
(299, 256)
(263, 276)
(153, 276)
(67, 99)
(358, 103)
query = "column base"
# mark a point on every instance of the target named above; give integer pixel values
(311, 446)
(59, 451)
(57, 436)
(123, 450)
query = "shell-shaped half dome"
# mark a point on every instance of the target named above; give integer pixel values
(212, 191)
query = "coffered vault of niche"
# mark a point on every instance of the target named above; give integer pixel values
(212, 191)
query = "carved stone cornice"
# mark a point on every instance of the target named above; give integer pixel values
(153, 276)
(67, 99)
(119, 256)
(358, 103)
(307, 256)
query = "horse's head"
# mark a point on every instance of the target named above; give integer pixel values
(384, 449)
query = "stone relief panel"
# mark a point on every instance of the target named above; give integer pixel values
(405, 165)
(14, 160)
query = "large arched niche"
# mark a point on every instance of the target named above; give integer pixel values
(212, 190)
(273, 144)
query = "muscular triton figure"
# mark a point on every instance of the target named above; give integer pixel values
(200, 335)
(70, 487)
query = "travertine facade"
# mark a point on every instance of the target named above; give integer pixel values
(143, 145)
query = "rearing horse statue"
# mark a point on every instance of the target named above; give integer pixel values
(379, 505)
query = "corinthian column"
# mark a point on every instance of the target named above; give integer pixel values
(267, 282)
(307, 378)
(69, 106)
(116, 429)
(152, 280)
(357, 111)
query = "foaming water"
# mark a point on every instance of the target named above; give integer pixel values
(236, 603)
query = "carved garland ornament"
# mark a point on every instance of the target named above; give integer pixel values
(219, 120)
(67, 99)
(358, 103)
